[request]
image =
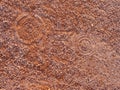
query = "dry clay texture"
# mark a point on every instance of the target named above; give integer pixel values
(59, 44)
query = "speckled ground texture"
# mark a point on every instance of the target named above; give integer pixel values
(59, 44)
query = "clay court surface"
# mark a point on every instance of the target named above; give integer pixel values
(59, 44)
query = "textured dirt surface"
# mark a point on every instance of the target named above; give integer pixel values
(59, 44)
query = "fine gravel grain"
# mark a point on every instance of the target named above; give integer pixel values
(59, 44)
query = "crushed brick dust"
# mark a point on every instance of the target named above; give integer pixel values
(59, 44)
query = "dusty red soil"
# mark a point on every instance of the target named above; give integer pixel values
(59, 44)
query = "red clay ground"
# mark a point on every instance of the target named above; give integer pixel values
(59, 44)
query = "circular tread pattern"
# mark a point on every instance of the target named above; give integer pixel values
(83, 45)
(29, 28)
